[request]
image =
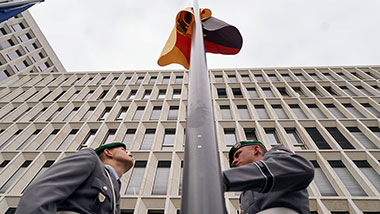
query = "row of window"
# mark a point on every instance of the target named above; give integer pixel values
(325, 179)
(261, 91)
(82, 111)
(290, 75)
(165, 136)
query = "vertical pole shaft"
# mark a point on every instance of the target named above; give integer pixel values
(202, 184)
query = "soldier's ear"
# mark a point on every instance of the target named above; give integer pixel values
(107, 153)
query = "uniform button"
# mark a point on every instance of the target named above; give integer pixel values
(105, 188)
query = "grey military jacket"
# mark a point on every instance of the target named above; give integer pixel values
(76, 183)
(280, 179)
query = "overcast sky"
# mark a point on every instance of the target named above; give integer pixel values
(109, 35)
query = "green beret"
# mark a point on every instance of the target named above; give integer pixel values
(108, 146)
(237, 146)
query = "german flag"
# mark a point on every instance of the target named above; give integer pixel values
(219, 37)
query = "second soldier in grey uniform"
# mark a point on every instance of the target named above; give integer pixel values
(271, 182)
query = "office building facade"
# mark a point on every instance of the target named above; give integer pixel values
(23, 47)
(329, 115)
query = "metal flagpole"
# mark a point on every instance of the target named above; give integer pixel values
(202, 184)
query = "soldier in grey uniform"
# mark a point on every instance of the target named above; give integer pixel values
(86, 182)
(271, 182)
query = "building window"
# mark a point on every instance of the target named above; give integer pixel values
(160, 185)
(250, 134)
(347, 91)
(229, 137)
(331, 91)
(68, 139)
(221, 92)
(100, 81)
(353, 111)
(226, 112)
(315, 91)
(245, 78)
(369, 172)
(4, 164)
(173, 113)
(169, 139)
(252, 93)
(328, 76)
(334, 111)
(287, 77)
(136, 179)
(268, 92)
(88, 95)
(114, 80)
(322, 182)
(165, 80)
(147, 94)
(298, 111)
(176, 93)
(283, 92)
(139, 113)
(179, 80)
(89, 138)
(128, 138)
(347, 179)
(243, 112)
(152, 80)
(48, 139)
(315, 77)
(364, 91)
(15, 175)
(232, 78)
(132, 95)
(371, 109)
(139, 80)
(38, 114)
(161, 94)
(261, 112)
(295, 139)
(59, 96)
(73, 95)
(10, 139)
(110, 136)
(117, 95)
(71, 114)
(88, 114)
(273, 77)
(362, 138)
(156, 113)
(298, 91)
(316, 111)
(280, 112)
(219, 78)
(180, 180)
(126, 81)
(272, 137)
(122, 113)
(259, 78)
(29, 139)
(105, 114)
(54, 114)
(103, 94)
(339, 138)
(318, 138)
(301, 77)
(237, 93)
(148, 139)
